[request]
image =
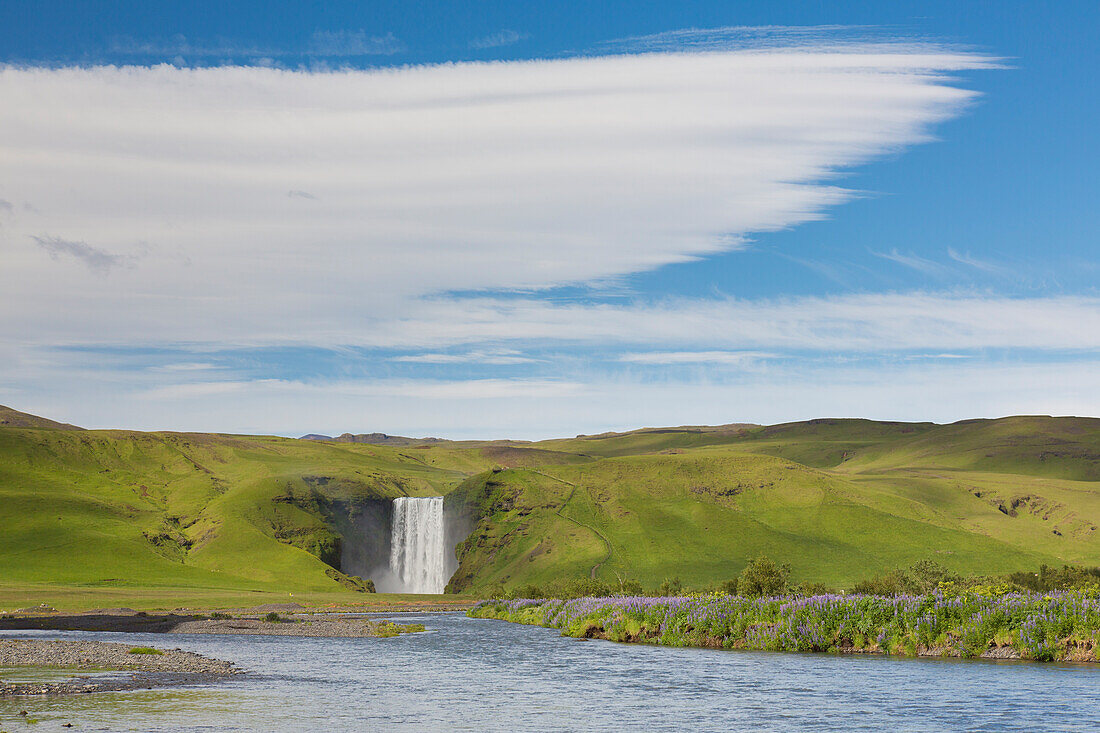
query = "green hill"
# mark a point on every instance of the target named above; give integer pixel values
(184, 515)
(10, 418)
(115, 509)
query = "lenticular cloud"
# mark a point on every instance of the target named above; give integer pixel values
(306, 199)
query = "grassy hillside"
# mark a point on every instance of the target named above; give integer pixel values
(837, 499)
(112, 509)
(10, 418)
(176, 515)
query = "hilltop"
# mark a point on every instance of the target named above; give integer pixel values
(10, 418)
(838, 499)
(373, 439)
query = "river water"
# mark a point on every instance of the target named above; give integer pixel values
(474, 674)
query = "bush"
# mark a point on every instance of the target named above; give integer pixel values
(1068, 577)
(922, 577)
(671, 587)
(527, 591)
(496, 590)
(727, 587)
(762, 577)
(893, 583)
(273, 618)
(806, 588)
(927, 575)
(219, 616)
(577, 588)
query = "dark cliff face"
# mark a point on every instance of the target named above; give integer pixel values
(364, 526)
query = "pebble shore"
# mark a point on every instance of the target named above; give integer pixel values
(171, 667)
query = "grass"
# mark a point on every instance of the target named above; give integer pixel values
(114, 509)
(194, 599)
(839, 500)
(146, 650)
(166, 520)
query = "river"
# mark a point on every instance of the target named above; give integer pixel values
(476, 674)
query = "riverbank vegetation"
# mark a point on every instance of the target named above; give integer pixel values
(763, 577)
(975, 623)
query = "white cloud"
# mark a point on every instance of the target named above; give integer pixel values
(321, 43)
(697, 357)
(915, 262)
(820, 38)
(186, 366)
(862, 323)
(504, 37)
(354, 43)
(479, 356)
(978, 264)
(529, 174)
(532, 409)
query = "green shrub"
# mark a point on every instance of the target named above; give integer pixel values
(762, 577)
(273, 618)
(927, 575)
(145, 650)
(893, 583)
(527, 591)
(670, 587)
(727, 587)
(1068, 577)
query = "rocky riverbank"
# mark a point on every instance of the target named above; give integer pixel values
(146, 667)
(281, 621)
(297, 625)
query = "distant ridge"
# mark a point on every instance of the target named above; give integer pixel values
(373, 439)
(10, 418)
(734, 427)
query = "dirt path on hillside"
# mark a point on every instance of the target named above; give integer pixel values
(572, 490)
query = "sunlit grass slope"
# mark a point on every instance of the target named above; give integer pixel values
(111, 508)
(839, 500)
(173, 514)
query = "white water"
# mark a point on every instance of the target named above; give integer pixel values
(418, 553)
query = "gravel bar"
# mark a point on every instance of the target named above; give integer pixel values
(170, 667)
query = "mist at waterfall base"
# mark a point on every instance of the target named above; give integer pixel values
(421, 557)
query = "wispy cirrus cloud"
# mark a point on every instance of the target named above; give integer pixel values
(965, 258)
(915, 262)
(354, 43)
(504, 37)
(733, 358)
(180, 45)
(821, 38)
(478, 356)
(341, 43)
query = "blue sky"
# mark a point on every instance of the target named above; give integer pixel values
(641, 214)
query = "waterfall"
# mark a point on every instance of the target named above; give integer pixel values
(418, 551)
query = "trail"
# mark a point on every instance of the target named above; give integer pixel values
(572, 490)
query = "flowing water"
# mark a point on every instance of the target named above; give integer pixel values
(418, 551)
(474, 674)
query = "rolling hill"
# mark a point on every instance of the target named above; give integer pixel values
(839, 499)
